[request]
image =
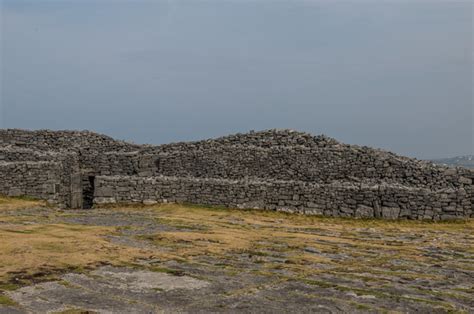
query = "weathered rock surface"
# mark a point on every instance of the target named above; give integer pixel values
(203, 260)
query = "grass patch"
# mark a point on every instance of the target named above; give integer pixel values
(8, 286)
(378, 254)
(33, 249)
(21, 202)
(4, 300)
(221, 233)
(361, 306)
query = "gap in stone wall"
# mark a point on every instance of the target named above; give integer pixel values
(88, 187)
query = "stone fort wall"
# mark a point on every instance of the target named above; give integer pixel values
(37, 179)
(275, 169)
(337, 199)
(41, 174)
(46, 140)
(305, 164)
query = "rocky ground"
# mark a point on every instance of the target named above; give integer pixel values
(176, 258)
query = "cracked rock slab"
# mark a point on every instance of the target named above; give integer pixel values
(105, 290)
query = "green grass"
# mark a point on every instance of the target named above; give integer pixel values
(4, 300)
(8, 286)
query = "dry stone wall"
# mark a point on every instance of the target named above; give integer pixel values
(337, 199)
(110, 163)
(42, 179)
(97, 154)
(46, 140)
(41, 174)
(275, 169)
(300, 163)
(290, 155)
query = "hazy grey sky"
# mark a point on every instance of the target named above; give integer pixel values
(390, 74)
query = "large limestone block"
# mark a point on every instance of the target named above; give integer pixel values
(363, 211)
(390, 212)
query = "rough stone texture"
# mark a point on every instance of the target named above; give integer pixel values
(250, 262)
(275, 169)
(45, 175)
(38, 179)
(46, 140)
(338, 199)
(43, 297)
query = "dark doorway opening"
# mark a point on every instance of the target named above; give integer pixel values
(157, 164)
(88, 191)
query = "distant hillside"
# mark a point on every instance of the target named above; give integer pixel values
(460, 161)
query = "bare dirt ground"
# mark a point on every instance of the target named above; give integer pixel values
(177, 258)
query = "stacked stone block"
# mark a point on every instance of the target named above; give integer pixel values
(274, 169)
(337, 199)
(41, 174)
(40, 179)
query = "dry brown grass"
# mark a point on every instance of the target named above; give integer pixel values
(220, 232)
(9, 203)
(29, 249)
(366, 247)
(367, 257)
(30, 245)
